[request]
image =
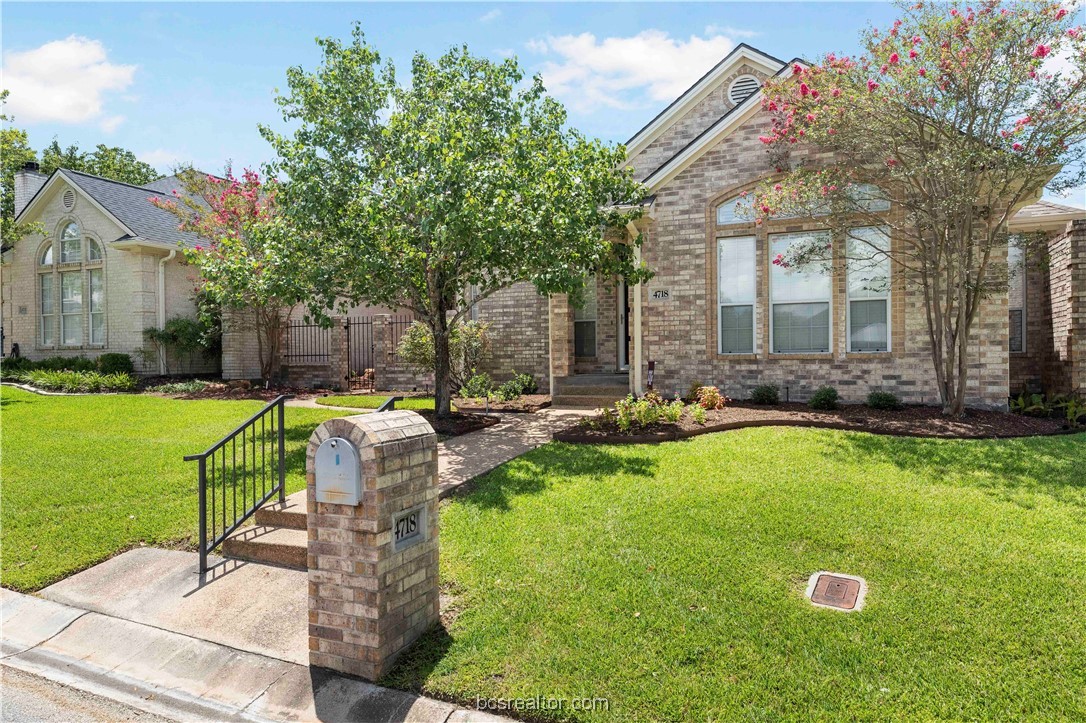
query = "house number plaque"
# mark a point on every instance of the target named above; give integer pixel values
(408, 527)
(661, 294)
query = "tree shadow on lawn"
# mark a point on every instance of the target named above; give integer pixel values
(529, 473)
(1049, 466)
(414, 666)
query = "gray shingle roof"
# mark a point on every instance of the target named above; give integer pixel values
(132, 207)
(1043, 208)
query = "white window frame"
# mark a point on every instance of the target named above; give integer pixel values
(753, 303)
(887, 299)
(594, 321)
(47, 321)
(795, 302)
(56, 271)
(1013, 246)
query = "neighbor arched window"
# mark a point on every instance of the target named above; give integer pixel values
(71, 294)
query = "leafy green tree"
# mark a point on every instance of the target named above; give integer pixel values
(252, 262)
(959, 115)
(106, 161)
(15, 152)
(464, 177)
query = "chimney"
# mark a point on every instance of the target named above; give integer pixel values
(27, 182)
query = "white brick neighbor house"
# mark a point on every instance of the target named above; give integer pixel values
(107, 266)
(720, 313)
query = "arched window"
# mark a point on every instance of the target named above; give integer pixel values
(71, 294)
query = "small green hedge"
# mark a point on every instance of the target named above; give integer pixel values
(66, 381)
(765, 394)
(824, 398)
(883, 400)
(109, 363)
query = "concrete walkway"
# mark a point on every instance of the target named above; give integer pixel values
(147, 630)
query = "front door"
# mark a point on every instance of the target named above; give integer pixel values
(623, 327)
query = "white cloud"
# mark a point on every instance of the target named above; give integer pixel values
(730, 31)
(64, 81)
(161, 158)
(491, 15)
(626, 73)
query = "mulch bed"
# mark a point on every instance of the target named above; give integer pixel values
(912, 421)
(457, 424)
(232, 390)
(527, 403)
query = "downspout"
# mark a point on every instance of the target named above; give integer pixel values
(162, 304)
(635, 367)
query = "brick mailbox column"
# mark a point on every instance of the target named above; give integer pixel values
(373, 566)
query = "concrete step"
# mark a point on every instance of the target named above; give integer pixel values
(271, 545)
(576, 401)
(291, 514)
(618, 390)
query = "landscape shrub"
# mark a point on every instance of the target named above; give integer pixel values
(766, 394)
(673, 412)
(113, 363)
(526, 382)
(507, 391)
(824, 398)
(692, 390)
(478, 386)
(13, 365)
(72, 381)
(710, 398)
(469, 348)
(66, 364)
(883, 400)
(187, 387)
(698, 413)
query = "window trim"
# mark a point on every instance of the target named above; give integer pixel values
(56, 272)
(887, 299)
(594, 321)
(1013, 243)
(753, 303)
(771, 303)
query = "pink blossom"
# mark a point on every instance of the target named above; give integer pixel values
(1073, 33)
(1061, 13)
(765, 139)
(913, 54)
(836, 92)
(1016, 146)
(804, 90)
(954, 13)
(199, 248)
(1041, 51)
(923, 73)
(916, 40)
(810, 117)
(832, 132)
(814, 94)
(894, 59)
(884, 69)
(797, 69)
(872, 86)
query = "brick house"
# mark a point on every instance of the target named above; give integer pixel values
(106, 267)
(720, 313)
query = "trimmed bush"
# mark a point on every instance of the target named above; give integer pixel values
(526, 382)
(478, 386)
(883, 400)
(113, 363)
(765, 394)
(66, 364)
(824, 398)
(69, 381)
(11, 366)
(710, 398)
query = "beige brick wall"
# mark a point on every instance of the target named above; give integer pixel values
(518, 333)
(680, 334)
(130, 279)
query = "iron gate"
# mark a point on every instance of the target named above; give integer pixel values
(360, 351)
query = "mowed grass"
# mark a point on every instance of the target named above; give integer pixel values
(86, 477)
(373, 401)
(670, 580)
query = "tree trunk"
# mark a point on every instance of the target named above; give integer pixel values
(442, 367)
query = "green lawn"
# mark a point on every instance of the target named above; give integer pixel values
(669, 579)
(86, 477)
(373, 401)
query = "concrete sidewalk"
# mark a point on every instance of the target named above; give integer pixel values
(146, 630)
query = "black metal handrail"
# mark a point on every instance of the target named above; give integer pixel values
(265, 428)
(389, 404)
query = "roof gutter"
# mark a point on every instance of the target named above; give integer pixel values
(162, 305)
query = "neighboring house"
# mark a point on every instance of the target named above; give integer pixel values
(108, 266)
(720, 313)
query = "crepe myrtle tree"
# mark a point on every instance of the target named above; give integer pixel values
(466, 177)
(251, 260)
(958, 114)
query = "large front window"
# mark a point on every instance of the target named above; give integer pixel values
(584, 322)
(1016, 295)
(799, 299)
(736, 294)
(868, 290)
(71, 302)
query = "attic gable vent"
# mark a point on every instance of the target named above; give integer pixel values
(742, 88)
(69, 199)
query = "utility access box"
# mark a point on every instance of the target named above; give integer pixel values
(337, 472)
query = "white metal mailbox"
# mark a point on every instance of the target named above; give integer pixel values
(337, 473)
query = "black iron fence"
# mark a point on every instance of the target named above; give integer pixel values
(307, 343)
(238, 474)
(397, 327)
(360, 348)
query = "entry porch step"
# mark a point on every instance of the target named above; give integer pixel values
(577, 401)
(271, 545)
(290, 514)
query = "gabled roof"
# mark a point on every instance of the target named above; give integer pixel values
(129, 206)
(695, 93)
(1045, 215)
(710, 136)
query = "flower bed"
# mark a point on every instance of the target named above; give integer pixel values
(910, 421)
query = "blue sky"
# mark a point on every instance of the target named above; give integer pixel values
(184, 82)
